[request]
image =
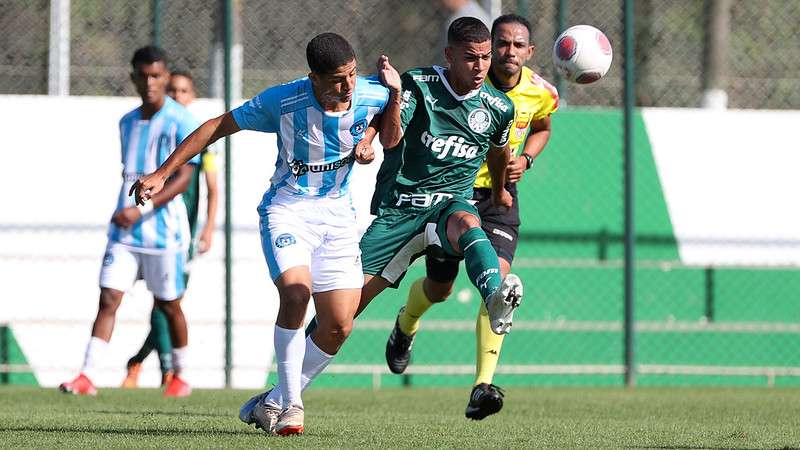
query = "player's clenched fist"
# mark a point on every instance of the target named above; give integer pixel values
(146, 187)
(364, 152)
(502, 199)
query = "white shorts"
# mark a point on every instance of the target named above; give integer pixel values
(319, 233)
(163, 273)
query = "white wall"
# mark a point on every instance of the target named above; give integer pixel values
(730, 179)
(726, 175)
(62, 169)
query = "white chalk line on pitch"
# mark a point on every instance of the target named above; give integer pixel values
(469, 325)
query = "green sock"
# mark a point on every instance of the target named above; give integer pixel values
(481, 261)
(147, 347)
(159, 329)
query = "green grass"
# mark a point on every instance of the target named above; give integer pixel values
(339, 418)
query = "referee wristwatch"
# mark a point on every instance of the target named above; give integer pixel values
(528, 159)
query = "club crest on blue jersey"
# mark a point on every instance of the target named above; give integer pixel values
(285, 240)
(358, 128)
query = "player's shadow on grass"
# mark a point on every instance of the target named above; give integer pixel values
(133, 431)
(160, 413)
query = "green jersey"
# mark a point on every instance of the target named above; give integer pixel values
(445, 141)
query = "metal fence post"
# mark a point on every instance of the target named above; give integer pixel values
(157, 20)
(228, 214)
(630, 228)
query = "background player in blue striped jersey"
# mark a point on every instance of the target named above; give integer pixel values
(150, 239)
(181, 89)
(308, 225)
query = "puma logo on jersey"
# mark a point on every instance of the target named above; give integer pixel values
(494, 101)
(431, 100)
(451, 145)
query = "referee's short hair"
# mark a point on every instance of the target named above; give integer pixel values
(328, 51)
(466, 30)
(511, 18)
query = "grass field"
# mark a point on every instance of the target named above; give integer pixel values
(339, 418)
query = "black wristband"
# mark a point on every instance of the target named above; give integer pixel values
(529, 159)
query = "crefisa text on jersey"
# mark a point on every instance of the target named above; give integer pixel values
(442, 146)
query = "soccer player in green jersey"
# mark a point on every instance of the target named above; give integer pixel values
(445, 123)
(534, 100)
(450, 122)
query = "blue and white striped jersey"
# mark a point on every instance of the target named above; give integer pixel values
(146, 144)
(315, 147)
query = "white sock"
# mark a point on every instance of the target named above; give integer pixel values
(314, 363)
(95, 352)
(289, 354)
(179, 357)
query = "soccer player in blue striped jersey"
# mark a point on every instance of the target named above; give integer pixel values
(149, 240)
(181, 89)
(308, 227)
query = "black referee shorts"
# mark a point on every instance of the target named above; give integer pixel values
(500, 225)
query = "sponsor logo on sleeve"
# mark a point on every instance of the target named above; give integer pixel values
(496, 102)
(425, 78)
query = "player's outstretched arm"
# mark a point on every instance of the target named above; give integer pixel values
(391, 130)
(175, 185)
(497, 162)
(149, 185)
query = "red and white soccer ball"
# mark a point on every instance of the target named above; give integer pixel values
(582, 54)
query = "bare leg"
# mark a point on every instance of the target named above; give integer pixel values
(335, 312)
(103, 327)
(178, 330)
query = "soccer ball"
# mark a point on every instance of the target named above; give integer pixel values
(582, 54)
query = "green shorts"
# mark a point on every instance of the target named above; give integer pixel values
(398, 236)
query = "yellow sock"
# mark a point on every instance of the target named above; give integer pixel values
(416, 305)
(489, 345)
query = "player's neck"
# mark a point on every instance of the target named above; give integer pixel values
(457, 88)
(150, 109)
(335, 106)
(327, 102)
(504, 82)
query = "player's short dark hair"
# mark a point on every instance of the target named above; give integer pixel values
(183, 73)
(511, 18)
(467, 29)
(327, 52)
(148, 55)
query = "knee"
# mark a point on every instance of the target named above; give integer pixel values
(169, 308)
(295, 296)
(337, 333)
(109, 301)
(468, 222)
(437, 292)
